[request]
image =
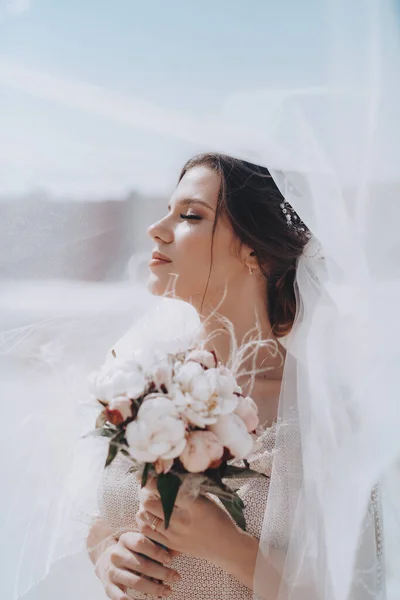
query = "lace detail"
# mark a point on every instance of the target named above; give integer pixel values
(201, 579)
(369, 576)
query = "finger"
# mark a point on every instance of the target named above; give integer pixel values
(143, 545)
(115, 593)
(184, 499)
(146, 566)
(155, 523)
(151, 486)
(146, 494)
(154, 515)
(150, 492)
(152, 505)
(145, 519)
(140, 584)
(161, 537)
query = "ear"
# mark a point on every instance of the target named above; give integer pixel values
(249, 258)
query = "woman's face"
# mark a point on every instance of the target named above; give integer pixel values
(184, 236)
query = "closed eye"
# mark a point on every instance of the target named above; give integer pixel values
(191, 217)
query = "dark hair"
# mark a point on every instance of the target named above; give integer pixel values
(254, 205)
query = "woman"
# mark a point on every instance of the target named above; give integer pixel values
(230, 243)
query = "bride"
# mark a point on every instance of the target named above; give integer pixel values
(229, 245)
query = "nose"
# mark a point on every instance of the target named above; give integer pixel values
(160, 232)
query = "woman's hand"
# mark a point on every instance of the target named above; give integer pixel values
(199, 527)
(130, 562)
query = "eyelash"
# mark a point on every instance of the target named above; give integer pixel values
(191, 217)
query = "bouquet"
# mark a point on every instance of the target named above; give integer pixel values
(180, 421)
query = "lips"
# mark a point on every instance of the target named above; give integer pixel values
(159, 256)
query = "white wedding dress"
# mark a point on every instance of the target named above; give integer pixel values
(200, 579)
(118, 492)
(118, 497)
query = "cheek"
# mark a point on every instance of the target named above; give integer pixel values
(194, 246)
(193, 256)
(226, 262)
(189, 271)
(192, 261)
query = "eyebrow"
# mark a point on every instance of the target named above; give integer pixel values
(191, 201)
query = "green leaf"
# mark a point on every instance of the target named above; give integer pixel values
(215, 475)
(235, 507)
(105, 431)
(145, 473)
(240, 472)
(101, 420)
(212, 488)
(112, 453)
(120, 437)
(168, 485)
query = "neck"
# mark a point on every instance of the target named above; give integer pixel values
(246, 312)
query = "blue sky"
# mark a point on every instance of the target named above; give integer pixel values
(97, 97)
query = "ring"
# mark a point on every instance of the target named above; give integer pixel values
(154, 524)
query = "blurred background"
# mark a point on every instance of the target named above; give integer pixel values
(44, 237)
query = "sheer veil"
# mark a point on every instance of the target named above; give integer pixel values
(332, 147)
(338, 418)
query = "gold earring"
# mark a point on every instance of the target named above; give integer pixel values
(250, 271)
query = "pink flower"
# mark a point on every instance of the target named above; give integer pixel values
(163, 465)
(119, 410)
(202, 449)
(247, 410)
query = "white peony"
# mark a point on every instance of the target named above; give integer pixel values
(227, 384)
(233, 434)
(205, 395)
(203, 357)
(157, 432)
(161, 374)
(118, 378)
(185, 374)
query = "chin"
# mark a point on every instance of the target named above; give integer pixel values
(158, 287)
(154, 286)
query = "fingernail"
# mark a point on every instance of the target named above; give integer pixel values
(175, 576)
(168, 558)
